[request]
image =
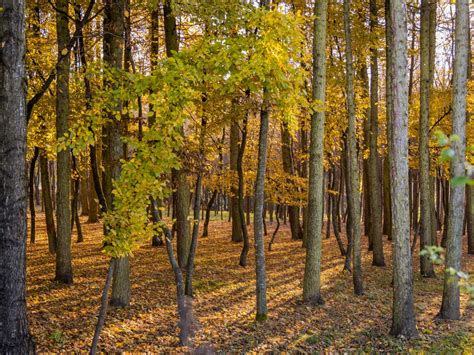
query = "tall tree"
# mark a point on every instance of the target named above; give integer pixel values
(63, 205)
(180, 184)
(114, 32)
(426, 197)
(375, 207)
(14, 333)
(312, 272)
(353, 166)
(403, 310)
(450, 304)
(234, 199)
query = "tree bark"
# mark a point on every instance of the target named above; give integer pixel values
(426, 196)
(375, 198)
(353, 166)
(234, 209)
(14, 333)
(450, 307)
(63, 204)
(312, 272)
(31, 197)
(114, 32)
(48, 203)
(403, 311)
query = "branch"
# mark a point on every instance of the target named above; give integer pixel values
(72, 41)
(441, 118)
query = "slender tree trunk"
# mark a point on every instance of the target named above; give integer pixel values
(352, 160)
(426, 267)
(312, 272)
(93, 212)
(451, 302)
(240, 193)
(75, 202)
(207, 218)
(293, 211)
(31, 196)
(387, 205)
(63, 204)
(470, 188)
(14, 333)
(234, 151)
(258, 209)
(48, 203)
(403, 311)
(375, 193)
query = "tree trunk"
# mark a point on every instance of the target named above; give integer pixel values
(451, 302)
(240, 193)
(312, 272)
(261, 287)
(426, 196)
(63, 203)
(375, 197)
(114, 29)
(14, 333)
(293, 211)
(207, 218)
(48, 203)
(234, 151)
(93, 212)
(353, 166)
(403, 311)
(31, 196)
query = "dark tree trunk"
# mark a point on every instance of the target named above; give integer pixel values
(63, 204)
(14, 334)
(48, 203)
(31, 197)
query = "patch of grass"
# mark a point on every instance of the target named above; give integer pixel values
(323, 339)
(58, 336)
(459, 341)
(207, 285)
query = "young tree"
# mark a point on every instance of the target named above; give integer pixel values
(403, 311)
(375, 207)
(426, 197)
(353, 166)
(451, 302)
(312, 272)
(14, 333)
(63, 205)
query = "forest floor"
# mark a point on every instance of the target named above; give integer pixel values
(62, 318)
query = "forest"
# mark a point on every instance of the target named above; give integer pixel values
(233, 176)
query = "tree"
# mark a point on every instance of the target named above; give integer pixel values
(374, 191)
(451, 302)
(114, 29)
(14, 333)
(63, 205)
(312, 271)
(352, 160)
(426, 197)
(403, 310)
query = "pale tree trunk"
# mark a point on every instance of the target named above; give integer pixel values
(426, 197)
(312, 272)
(353, 166)
(14, 334)
(260, 271)
(114, 28)
(470, 188)
(387, 207)
(374, 159)
(451, 302)
(63, 204)
(403, 311)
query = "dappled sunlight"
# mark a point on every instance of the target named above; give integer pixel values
(62, 318)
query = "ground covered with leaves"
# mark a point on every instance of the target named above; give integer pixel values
(62, 318)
